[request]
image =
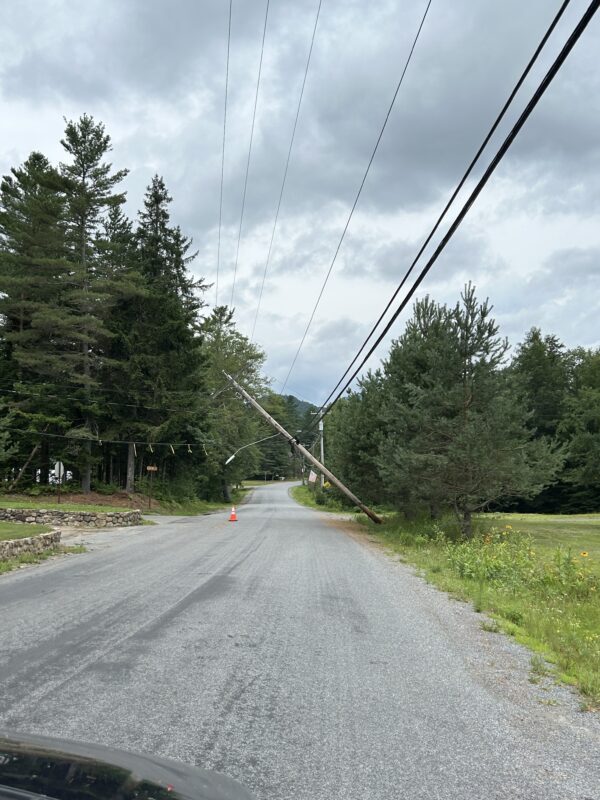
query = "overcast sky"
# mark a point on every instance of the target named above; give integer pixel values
(153, 71)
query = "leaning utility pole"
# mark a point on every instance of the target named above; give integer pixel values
(303, 451)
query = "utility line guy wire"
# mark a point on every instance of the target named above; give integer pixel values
(538, 94)
(358, 194)
(223, 155)
(285, 171)
(260, 63)
(462, 182)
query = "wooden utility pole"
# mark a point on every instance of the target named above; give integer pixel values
(303, 451)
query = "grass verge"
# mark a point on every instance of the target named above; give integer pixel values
(20, 530)
(8, 564)
(194, 507)
(306, 497)
(537, 589)
(43, 503)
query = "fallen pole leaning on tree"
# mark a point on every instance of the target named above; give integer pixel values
(303, 451)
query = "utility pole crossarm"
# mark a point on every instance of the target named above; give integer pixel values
(301, 449)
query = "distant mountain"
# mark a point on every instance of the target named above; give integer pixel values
(303, 406)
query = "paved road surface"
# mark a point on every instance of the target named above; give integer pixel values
(288, 654)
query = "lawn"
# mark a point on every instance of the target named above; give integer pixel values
(306, 497)
(19, 530)
(194, 507)
(537, 576)
(577, 532)
(40, 502)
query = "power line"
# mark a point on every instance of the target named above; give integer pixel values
(101, 440)
(462, 182)
(538, 94)
(237, 252)
(223, 155)
(358, 194)
(285, 171)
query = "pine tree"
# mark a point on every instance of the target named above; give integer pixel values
(37, 325)
(158, 342)
(543, 367)
(458, 428)
(90, 187)
(579, 429)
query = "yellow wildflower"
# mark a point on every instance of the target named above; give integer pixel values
(584, 554)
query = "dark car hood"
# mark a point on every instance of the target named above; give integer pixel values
(36, 766)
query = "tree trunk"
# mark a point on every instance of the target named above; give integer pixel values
(86, 472)
(45, 463)
(86, 469)
(466, 524)
(23, 468)
(130, 481)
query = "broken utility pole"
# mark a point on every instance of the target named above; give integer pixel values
(303, 451)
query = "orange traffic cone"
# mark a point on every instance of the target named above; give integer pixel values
(233, 515)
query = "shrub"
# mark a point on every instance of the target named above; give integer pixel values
(105, 488)
(566, 575)
(500, 557)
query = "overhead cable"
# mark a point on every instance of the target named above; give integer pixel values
(452, 198)
(237, 252)
(358, 194)
(285, 171)
(223, 156)
(538, 94)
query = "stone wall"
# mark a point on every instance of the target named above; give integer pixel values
(92, 519)
(29, 544)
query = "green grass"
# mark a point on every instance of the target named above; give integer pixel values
(36, 503)
(20, 530)
(577, 532)
(306, 497)
(258, 482)
(525, 579)
(194, 507)
(9, 564)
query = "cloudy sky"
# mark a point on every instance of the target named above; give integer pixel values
(153, 71)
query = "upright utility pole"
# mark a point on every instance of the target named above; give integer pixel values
(303, 451)
(322, 449)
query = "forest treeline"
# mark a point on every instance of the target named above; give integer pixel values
(451, 423)
(109, 358)
(110, 361)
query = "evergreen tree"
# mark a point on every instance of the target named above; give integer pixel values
(231, 423)
(158, 333)
(580, 431)
(90, 187)
(458, 428)
(37, 324)
(543, 367)
(354, 433)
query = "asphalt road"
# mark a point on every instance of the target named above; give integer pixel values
(285, 652)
